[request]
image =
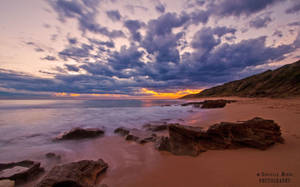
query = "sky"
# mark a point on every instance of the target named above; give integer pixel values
(135, 48)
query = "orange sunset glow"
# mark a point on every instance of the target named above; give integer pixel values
(171, 95)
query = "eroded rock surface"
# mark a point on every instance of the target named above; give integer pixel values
(256, 133)
(80, 133)
(136, 135)
(20, 172)
(76, 174)
(156, 126)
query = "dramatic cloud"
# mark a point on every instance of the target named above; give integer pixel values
(85, 12)
(294, 9)
(49, 58)
(260, 22)
(160, 8)
(114, 15)
(239, 7)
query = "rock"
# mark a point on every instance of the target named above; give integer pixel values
(20, 172)
(122, 131)
(7, 183)
(183, 140)
(156, 126)
(136, 135)
(219, 103)
(195, 104)
(162, 143)
(256, 133)
(79, 133)
(76, 174)
(53, 156)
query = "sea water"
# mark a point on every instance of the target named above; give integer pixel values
(27, 127)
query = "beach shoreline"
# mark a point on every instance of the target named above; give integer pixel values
(239, 167)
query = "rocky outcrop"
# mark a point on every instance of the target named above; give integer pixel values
(79, 133)
(76, 174)
(256, 133)
(156, 126)
(136, 135)
(20, 172)
(219, 103)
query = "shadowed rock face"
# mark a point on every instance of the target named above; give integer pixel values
(76, 174)
(136, 135)
(20, 172)
(79, 133)
(256, 133)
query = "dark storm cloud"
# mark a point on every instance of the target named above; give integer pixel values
(133, 26)
(49, 58)
(239, 7)
(114, 15)
(72, 40)
(294, 9)
(260, 22)
(76, 52)
(160, 8)
(85, 12)
(72, 68)
(98, 43)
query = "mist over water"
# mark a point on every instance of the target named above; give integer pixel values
(27, 127)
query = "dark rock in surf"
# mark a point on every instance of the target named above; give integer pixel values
(136, 135)
(80, 133)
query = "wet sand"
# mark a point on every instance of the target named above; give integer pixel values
(226, 167)
(135, 165)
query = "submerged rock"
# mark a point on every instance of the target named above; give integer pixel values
(20, 172)
(256, 133)
(136, 135)
(76, 174)
(79, 133)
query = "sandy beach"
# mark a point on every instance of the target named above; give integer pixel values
(232, 168)
(135, 165)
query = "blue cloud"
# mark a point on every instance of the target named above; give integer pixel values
(114, 15)
(85, 13)
(260, 22)
(294, 9)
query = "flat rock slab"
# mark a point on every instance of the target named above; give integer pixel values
(76, 174)
(80, 133)
(136, 135)
(256, 133)
(20, 172)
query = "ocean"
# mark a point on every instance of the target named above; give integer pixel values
(27, 127)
